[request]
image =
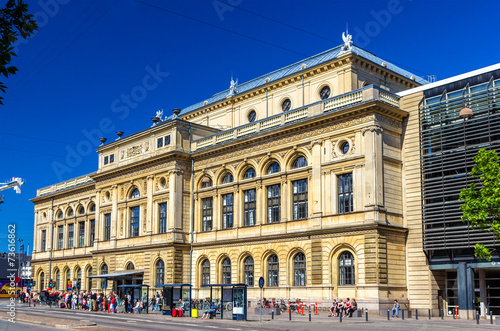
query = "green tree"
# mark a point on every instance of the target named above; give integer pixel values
(14, 21)
(481, 206)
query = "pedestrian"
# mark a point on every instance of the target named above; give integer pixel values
(113, 303)
(74, 301)
(340, 308)
(333, 308)
(347, 306)
(93, 301)
(354, 307)
(125, 303)
(395, 308)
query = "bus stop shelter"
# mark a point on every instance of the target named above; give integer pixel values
(139, 291)
(172, 293)
(231, 298)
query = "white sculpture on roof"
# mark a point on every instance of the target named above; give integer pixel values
(232, 87)
(159, 114)
(347, 41)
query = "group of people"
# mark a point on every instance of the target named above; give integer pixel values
(88, 300)
(343, 308)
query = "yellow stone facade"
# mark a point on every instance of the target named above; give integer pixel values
(366, 117)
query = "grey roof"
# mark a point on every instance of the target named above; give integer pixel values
(296, 67)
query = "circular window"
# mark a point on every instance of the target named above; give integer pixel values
(163, 182)
(251, 116)
(286, 105)
(325, 92)
(344, 147)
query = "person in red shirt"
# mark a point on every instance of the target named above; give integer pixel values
(113, 304)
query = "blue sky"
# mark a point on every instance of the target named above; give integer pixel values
(96, 65)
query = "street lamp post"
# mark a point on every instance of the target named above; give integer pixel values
(19, 240)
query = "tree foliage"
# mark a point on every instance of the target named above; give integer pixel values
(481, 205)
(14, 21)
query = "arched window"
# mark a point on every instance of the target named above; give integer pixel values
(81, 210)
(250, 173)
(226, 271)
(92, 208)
(68, 279)
(286, 105)
(78, 274)
(273, 168)
(135, 193)
(273, 270)
(205, 272)
(206, 182)
(58, 280)
(70, 212)
(89, 280)
(228, 178)
(130, 266)
(299, 162)
(104, 271)
(160, 272)
(299, 270)
(248, 271)
(346, 269)
(42, 282)
(60, 214)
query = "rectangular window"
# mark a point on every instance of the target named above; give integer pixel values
(112, 158)
(159, 143)
(299, 199)
(60, 238)
(71, 229)
(249, 207)
(44, 239)
(107, 226)
(81, 234)
(206, 206)
(345, 193)
(134, 221)
(167, 140)
(227, 211)
(105, 160)
(92, 232)
(273, 203)
(163, 217)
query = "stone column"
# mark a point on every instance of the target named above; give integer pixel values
(176, 200)
(216, 221)
(150, 212)
(285, 200)
(373, 184)
(114, 215)
(99, 227)
(236, 207)
(260, 205)
(316, 179)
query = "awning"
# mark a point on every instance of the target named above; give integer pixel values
(118, 274)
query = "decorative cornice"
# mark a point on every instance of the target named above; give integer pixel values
(372, 128)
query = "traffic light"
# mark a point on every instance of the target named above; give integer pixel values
(51, 283)
(32, 283)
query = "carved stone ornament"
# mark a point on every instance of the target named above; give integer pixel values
(122, 155)
(353, 145)
(316, 142)
(121, 223)
(146, 146)
(134, 151)
(372, 128)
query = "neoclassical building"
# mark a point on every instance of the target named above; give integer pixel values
(296, 176)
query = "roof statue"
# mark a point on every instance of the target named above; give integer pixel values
(347, 41)
(159, 114)
(232, 87)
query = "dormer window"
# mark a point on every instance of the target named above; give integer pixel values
(112, 158)
(159, 142)
(167, 140)
(106, 160)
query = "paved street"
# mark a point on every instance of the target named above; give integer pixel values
(64, 319)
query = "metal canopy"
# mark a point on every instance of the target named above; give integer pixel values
(118, 274)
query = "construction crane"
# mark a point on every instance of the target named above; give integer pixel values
(15, 182)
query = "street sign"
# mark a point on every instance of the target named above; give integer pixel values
(261, 282)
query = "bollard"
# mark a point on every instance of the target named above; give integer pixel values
(272, 314)
(289, 314)
(309, 313)
(477, 317)
(429, 313)
(316, 308)
(456, 311)
(298, 307)
(416, 314)
(340, 316)
(442, 313)
(302, 309)
(453, 313)
(366, 315)
(388, 317)
(403, 314)
(491, 317)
